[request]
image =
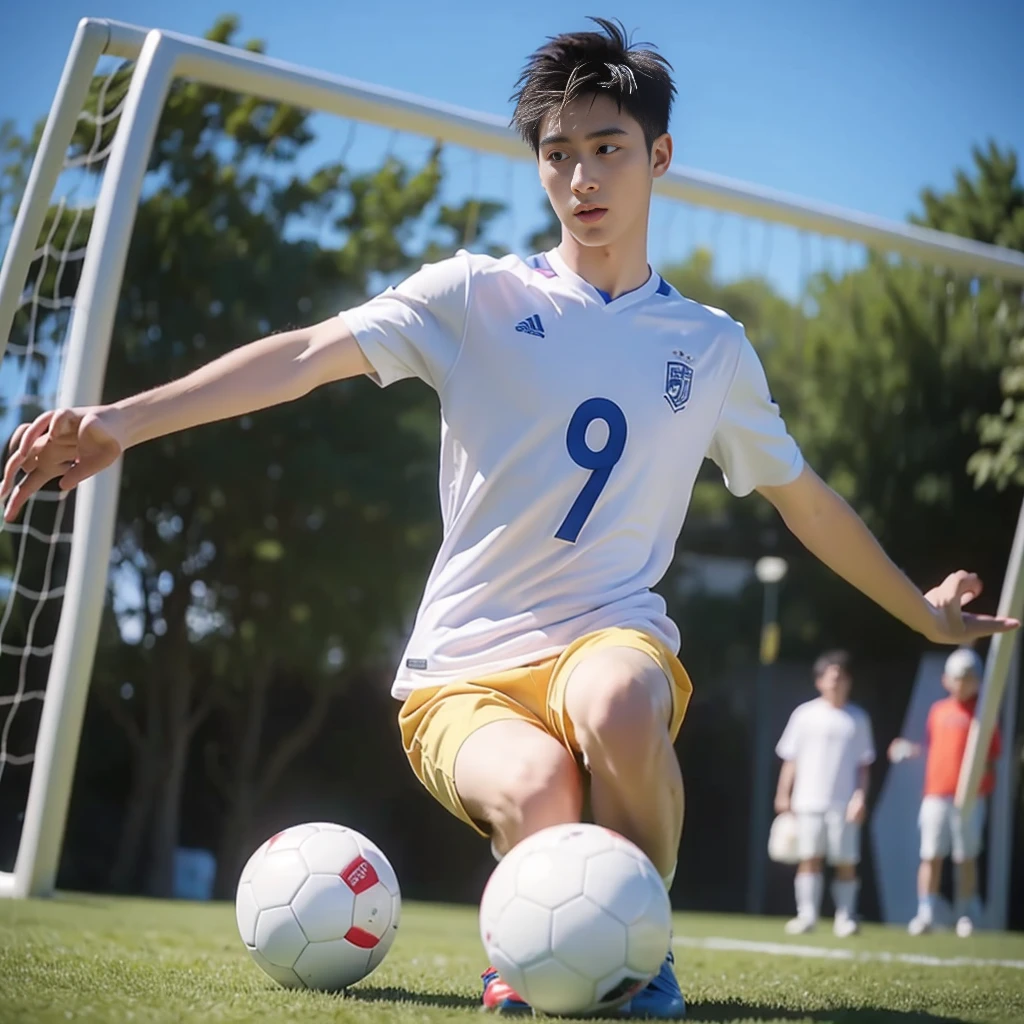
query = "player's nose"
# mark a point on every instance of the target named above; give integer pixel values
(584, 181)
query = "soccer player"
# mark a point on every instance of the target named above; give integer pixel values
(579, 396)
(827, 749)
(944, 830)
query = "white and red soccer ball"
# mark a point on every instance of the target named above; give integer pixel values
(576, 919)
(318, 906)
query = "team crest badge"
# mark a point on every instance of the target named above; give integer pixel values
(678, 384)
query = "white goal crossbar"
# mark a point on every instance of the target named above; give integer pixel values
(160, 58)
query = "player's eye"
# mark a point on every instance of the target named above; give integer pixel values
(608, 148)
(556, 156)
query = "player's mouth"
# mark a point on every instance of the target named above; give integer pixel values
(589, 214)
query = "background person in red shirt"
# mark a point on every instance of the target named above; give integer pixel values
(944, 831)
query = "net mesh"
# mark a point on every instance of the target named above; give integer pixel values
(772, 277)
(34, 550)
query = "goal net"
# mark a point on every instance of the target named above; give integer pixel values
(721, 242)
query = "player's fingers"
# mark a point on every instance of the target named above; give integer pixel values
(82, 470)
(977, 626)
(28, 486)
(22, 440)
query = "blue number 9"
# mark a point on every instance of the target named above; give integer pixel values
(601, 463)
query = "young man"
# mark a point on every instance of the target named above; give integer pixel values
(944, 831)
(827, 750)
(579, 395)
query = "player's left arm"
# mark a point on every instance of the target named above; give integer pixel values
(830, 529)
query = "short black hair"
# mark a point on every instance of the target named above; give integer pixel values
(598, 63)
(841, 660)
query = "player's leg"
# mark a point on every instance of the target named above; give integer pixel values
(618, 699)
(517, 779)
(619, 702)
(934, 823)
(482, 750)
(809, 884)
(966, 845)
(844, 856)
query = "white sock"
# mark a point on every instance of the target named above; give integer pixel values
(926, 907)
(809, 888)
(669, 878)
(844, 895)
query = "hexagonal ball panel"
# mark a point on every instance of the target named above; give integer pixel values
(552, 987)
(375, 855)
(282, 975)
(523, 932)
(329, 851)
(291, 838)
(587, 939)
(615, 881)
(279, 938)
(647, 940)
(498, 893)
(323, 907)
(332, 965)
(550, 877)
(372, 911)
(278, 878)
(252, 862)
(246, 912)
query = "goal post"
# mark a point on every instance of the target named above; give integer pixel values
(161, 57)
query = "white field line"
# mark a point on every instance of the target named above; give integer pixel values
(827, 953)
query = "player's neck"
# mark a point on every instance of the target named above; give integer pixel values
(834, 701)
(613, 269)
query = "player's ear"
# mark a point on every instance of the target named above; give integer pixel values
(661, 155)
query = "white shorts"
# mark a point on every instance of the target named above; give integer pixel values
(944, 830)
(829, 835)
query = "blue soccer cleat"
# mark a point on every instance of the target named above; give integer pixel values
(660, 1000)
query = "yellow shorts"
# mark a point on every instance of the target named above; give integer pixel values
(435, 722)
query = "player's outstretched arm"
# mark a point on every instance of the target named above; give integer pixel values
(74, 444)
(831, 530)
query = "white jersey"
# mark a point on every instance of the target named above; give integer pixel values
(829, 745)
(572, 429)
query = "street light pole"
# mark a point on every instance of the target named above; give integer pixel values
(770, 571)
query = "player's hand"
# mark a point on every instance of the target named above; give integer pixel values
(902, 750)
(72, 444)
(856, 809)
(782, 804)
(950, 623)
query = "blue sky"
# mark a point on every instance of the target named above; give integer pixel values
(859, 104)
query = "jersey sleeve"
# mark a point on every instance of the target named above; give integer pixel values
(789, 742)
(751, 444)
(416, 328)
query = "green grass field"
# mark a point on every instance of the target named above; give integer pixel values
(95, 959)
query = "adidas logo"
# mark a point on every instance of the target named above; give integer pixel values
(531, 325)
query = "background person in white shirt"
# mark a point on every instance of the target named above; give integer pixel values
(827, 749)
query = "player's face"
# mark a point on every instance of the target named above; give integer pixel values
(596, 170)
(834, 684)
(962, 687)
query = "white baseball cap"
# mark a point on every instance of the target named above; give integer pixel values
(963, 662)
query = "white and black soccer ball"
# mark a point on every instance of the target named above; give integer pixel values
(318, 906)
(576, 919)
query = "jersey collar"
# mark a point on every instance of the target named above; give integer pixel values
(653, 284)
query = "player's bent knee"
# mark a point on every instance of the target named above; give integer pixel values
(619, 709)
(535, 790)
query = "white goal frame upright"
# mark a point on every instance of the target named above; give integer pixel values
(161, 57)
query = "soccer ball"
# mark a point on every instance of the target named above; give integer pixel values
(318, 906)
(784, 839)
(576, 919)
